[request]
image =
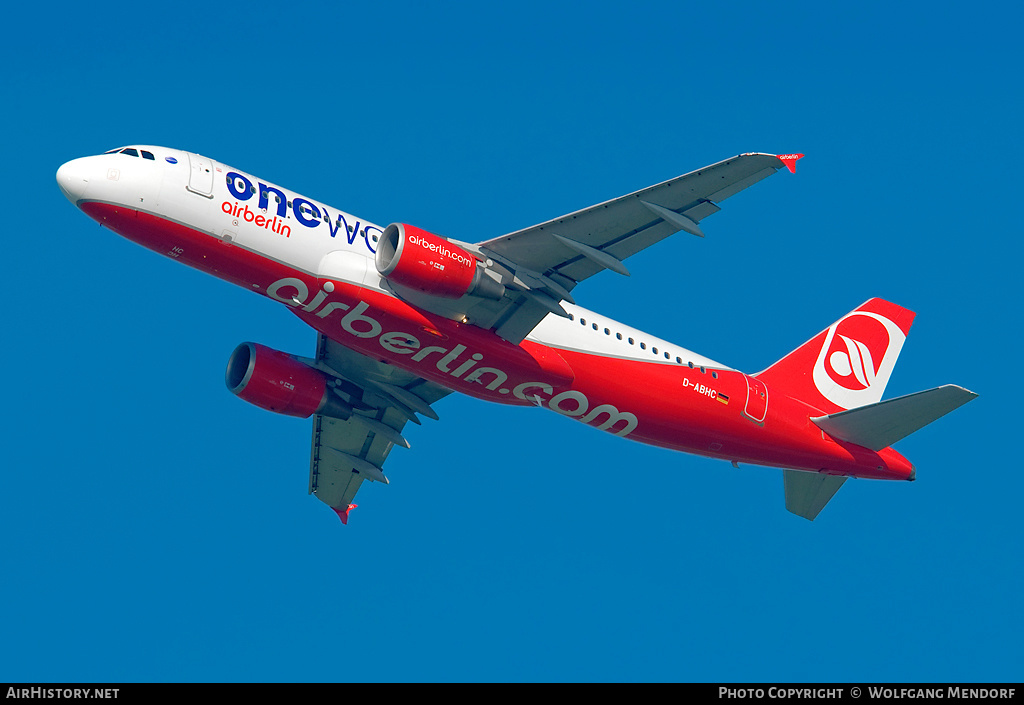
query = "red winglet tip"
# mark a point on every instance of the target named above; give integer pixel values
(790, 161)
(343, 513)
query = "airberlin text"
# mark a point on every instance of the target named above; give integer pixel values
(574, 403)
(441, 250)
(305, 212)
(261, 221)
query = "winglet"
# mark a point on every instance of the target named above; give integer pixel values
(790, 160)
(343, 513)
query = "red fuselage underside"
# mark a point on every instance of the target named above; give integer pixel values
(722, 413)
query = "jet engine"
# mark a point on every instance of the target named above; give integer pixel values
(411, 257)
(278, 382)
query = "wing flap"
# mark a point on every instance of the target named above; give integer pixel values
(332, 481)
(345, 452)
(737, 186)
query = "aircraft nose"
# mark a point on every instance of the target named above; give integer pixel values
(73, 179)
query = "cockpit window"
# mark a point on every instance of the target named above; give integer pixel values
(133, 152)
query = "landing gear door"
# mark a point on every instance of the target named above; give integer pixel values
(756, 407)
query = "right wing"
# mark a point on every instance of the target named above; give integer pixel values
(623, 226)
(384, 398)
(542, 264)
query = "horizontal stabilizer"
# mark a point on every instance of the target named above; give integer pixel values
(808, 492)
(879, 425)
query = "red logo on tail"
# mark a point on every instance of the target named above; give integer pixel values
(856, 359)
(856, 351)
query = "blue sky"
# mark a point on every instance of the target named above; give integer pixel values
(155, 528)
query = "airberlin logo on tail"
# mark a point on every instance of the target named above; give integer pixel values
(854, 366)
(856, 359)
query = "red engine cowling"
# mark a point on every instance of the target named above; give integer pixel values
(276, 381)
(412, 257)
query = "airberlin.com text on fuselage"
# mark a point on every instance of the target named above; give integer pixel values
(403, 347)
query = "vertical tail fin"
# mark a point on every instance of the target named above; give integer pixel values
(848, 364)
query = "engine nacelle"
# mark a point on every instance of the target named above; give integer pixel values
(276, 381)
(412, 257)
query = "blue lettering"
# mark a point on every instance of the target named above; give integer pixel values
(233, 179)
(306, 212)
(299, 206)
(366, 231)
(335, 226)
(350, 233)
(282, 200)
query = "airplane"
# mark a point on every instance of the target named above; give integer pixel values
(405, 317)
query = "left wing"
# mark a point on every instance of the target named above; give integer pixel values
(384, 398)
